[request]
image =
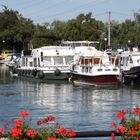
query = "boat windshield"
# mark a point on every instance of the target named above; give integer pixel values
(74, 44)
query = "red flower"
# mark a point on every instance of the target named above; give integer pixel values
(129, 125)
(6, 124)
(64, 132)
(16, 132)
(113, 125)
(24, 113)
(1, 130)
(112, 136)
(51, 138)
(51, 118)
(71, 133)
(136, 111)
(121, 129)
(46, 120)
(137, 127)
(18, 122)
(31, 133)
(121, 114)
(39, 122)
(132, 132)
(61, 131)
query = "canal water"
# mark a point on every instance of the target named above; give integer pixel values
(79, 108)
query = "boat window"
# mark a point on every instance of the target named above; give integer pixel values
(31, 64)
(41, 56)
(97, 61)
(127, 61)
(131, 61)
(23, 61)
(26, 62)
(68, 59)
(123, 60)
(58, 60)
(82, 61)
(90, 69)
(47, 60)
(38, 62)
(35, 62)
(83, 69)
(86, 70)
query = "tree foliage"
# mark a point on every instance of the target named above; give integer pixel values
(84, 27)
(16, 32)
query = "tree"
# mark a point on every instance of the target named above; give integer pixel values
(14, 30)
(84, 27)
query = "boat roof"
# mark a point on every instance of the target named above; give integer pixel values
(53, 51)
(89, 52)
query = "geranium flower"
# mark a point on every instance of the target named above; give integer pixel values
(24, 114)
(136, 111)
(1, 130)
(121, 114)
(16, 132)
(129, 125)
(31, 133)
(112, 136)
(18, 122)
(51, 138)
(22, 130)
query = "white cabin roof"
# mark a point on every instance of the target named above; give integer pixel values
(53, 51)
(89, 51)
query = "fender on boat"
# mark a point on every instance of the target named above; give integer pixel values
(57, 72)
(34, 72)
(41, 74)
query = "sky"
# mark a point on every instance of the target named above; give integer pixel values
(42, 11)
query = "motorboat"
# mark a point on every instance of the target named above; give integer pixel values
(46, 63)
(130, 66)
(94, 67)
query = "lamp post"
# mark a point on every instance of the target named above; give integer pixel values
(3, 42)
(129, 41)
(105, 39)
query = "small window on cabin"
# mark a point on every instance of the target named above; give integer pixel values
(131, 61)
(90, 69)
(38, 62)
(83, 69)
(23, 61)
(86, 70)
(26, 62)
(35, 62)
(122, 61)
(86, 61)
(47, 60)
(68, 59)
(41, 56)
(31, 64)
(127, 61)
(82, 61)
(58, 60)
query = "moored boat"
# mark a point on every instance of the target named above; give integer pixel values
(130, 66)
(47, 63)
(94, 67)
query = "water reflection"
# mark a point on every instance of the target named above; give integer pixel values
(79, 108)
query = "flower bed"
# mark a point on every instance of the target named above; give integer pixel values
(129, 124)
(48, 129)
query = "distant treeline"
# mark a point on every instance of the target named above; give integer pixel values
(18, 32)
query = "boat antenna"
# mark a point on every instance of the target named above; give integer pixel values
(109, 21)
